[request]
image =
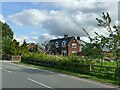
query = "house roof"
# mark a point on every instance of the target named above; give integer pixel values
(60, 40)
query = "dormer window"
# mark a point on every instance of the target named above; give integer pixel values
(56, 44)
(63, 43)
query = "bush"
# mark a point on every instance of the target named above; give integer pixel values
(71, 63)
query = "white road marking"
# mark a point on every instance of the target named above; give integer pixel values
(63, 75)
(7, 70)
(39, 83)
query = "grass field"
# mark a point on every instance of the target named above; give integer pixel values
(106, 63)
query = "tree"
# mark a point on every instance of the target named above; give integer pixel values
(113, 40)
(24, 47)
(96, 45)
(15, 48)
(7, 36)
(36, 49)
(90, 49)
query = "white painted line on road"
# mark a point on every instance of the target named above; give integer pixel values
(7, 71)
(91, 82)
(39, 83)
(63, 75)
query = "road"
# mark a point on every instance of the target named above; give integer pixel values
(20, 76)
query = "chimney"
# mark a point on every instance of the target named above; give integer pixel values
(65, 36)
(78, 38)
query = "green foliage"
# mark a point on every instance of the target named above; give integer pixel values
(7, 32)
(24, 48)
(113, 41)
(92, 50)
(7, 36)
(73, 58)
(15, 48)
(9, 45)
(36, 49)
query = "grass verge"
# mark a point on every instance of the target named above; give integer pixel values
(93, 78)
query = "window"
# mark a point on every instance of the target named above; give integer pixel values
(56, 44)
(64, 52)
(73, 40)
(63, 43)
(74, 45)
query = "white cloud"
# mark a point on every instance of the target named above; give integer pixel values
(86, 39)
(2, 19)
(71, 18)
(43, 37)
(21, 38)
(79, 4)
(28, 17)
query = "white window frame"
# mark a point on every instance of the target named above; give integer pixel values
(74, 45)
(64, 52)
(56, 44)
(63, 43)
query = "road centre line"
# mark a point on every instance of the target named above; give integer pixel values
(7, 70)
(63, 75)
(39, 83)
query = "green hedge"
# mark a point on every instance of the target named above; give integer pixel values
(71, 63)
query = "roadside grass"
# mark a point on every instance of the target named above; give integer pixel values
(100, 80)
(112, 64)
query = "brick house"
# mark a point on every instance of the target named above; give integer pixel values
(63, 46)
(31, 47)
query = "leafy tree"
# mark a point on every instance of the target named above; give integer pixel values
(113, 40)
(93, 48)
(7, 36)
(15, 48)
(24, 47)
(36, 49)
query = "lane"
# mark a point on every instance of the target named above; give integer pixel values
(38, 78)
(12, 80)
(15, 78)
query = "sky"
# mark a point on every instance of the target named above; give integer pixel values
(41, 21)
